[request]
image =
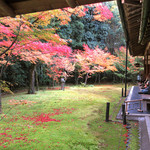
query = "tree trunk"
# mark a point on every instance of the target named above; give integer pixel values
(86, 78)
(53, 83)
(114, 78)
(32, 79)
(95, 77)
(36, 80)
(76, 79)
(99, 77)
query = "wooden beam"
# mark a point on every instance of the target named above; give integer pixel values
(122, 17)
(144, 20)
(132, 2)
(71, 3)
(6, 10)
(147, 48)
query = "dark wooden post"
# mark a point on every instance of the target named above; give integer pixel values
(107, 111)
(126, 71)
(122, 92)
(124, 114)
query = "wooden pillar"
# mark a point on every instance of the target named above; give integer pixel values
(148, 53)
(122, 92)
(146, 64)
(126, 71)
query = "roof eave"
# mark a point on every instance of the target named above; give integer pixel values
(144, 20)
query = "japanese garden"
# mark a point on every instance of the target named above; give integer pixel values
(58, 69)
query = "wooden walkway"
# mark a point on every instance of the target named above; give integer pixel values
(135, 104)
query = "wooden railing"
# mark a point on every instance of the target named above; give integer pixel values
(128, 101)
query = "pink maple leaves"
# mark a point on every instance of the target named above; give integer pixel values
(47, 117)
(8, 137)
(20, 102)
(102, 13)
(95, 60)
(41, 118)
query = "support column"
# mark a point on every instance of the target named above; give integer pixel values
(126, 71)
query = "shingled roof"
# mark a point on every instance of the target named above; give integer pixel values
(17, 7)
(135, 17)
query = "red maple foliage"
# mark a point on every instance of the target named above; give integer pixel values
(94, 60)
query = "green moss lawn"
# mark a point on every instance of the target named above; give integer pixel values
(73, 119)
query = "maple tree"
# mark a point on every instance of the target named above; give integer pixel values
(30, 38)
(101, 12)
(19, 37)
(94, 60)
(26, 43)
(42, 19)
(60, 66)
(24, 32)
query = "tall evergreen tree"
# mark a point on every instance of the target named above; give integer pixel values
(85, 30)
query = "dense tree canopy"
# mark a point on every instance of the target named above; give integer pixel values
(92, 61)
(49, 38)
(90, 29)
(30, 43)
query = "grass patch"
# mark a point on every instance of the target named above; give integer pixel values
(134, 142)
(73, 119)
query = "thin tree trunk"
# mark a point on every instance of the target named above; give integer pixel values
(95, 77)
(53, 83)
(36, 80)
(32, 79)
(99, 77)
(114, 79)
(76, 79)
(86, 78)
